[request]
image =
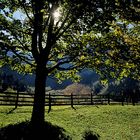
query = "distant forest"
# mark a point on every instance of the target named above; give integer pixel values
(90, 82)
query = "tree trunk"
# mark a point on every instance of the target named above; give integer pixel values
(38, 113)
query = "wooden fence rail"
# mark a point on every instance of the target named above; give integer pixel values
(26, 99)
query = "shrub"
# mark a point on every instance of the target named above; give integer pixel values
(90, 135)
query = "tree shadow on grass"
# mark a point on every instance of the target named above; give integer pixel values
(23, 131)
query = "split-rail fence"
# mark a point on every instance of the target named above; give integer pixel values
(27, 99)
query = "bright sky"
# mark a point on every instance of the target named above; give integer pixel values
(19, 15)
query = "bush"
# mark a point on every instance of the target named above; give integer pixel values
(90, 135)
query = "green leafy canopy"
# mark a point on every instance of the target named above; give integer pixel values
(86, 34)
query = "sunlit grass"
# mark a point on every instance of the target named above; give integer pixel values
(110, 122)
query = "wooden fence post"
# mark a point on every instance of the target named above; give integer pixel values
(91, 99)
(72, 100)
(122, 99)
(108, 98)
(16, 103)
(101, 99)
(49, 103)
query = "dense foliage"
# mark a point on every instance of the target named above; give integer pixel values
(64, 39)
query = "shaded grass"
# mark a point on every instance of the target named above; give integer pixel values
(24, 131)
(110, 122)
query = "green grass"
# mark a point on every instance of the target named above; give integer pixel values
(110, 122)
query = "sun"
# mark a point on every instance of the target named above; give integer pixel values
(56, 14)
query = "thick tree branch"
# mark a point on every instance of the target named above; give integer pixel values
(34, 45)
(40, 31)
(37, 25)
(47, 22)
(50, 39)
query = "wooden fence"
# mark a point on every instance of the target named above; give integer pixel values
(26, 99)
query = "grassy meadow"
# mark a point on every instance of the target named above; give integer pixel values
(110, 122)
